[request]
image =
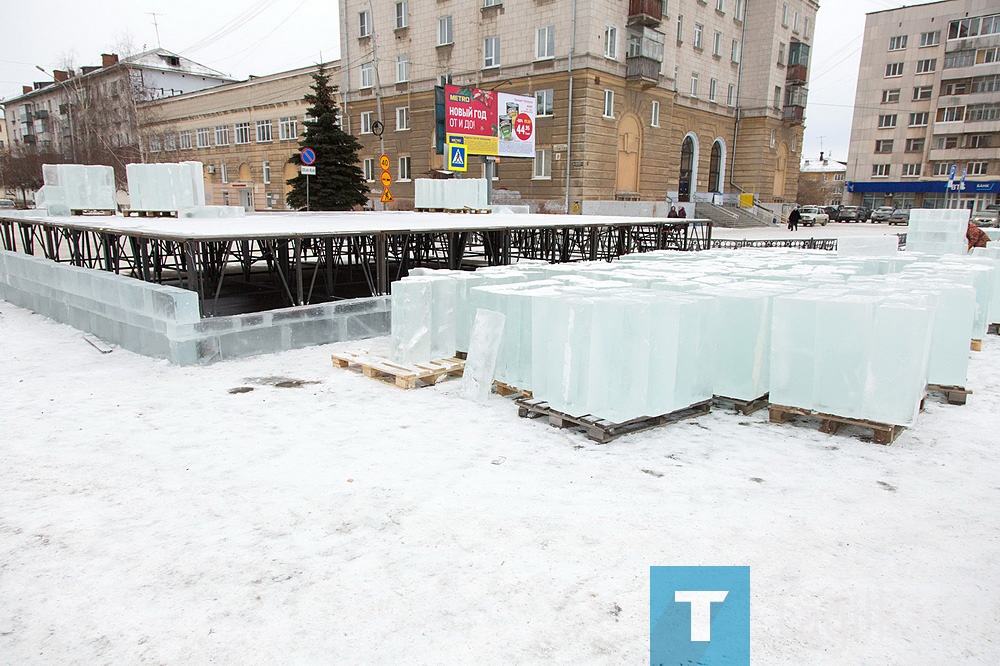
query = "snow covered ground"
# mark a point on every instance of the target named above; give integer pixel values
(149, 514)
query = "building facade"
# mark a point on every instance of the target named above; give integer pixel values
(244, 133)
(642, 99)
(926, 128)
(91, 116)
(821, 182)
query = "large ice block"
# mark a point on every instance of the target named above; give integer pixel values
(410, 337)
(70, 187)
(484, 348)
(937, 231)
(867, 246)
(165, 187)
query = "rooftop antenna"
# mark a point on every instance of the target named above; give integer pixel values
(156, 27)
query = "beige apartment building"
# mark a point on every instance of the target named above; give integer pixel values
(244, 133)
(926, 128)
(821, 182)
(642, 99)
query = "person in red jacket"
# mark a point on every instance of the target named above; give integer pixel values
(976, 236)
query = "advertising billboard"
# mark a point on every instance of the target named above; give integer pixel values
(490, 122)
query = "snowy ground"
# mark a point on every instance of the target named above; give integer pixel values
(148, 514)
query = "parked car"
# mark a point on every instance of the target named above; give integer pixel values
(7, 203)
(987, 217)
(810, 216)
(833, 212)
(881, 214)
(850, 214)
(900, 216)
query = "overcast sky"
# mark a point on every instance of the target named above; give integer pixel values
(242, 38)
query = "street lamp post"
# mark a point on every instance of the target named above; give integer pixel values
(69, 109)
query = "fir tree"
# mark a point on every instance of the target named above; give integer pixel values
(339, 183)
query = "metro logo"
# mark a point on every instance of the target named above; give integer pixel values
(462, 99)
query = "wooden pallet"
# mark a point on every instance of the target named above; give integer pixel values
(744, 407)
(152, 213)
(476, 211)
(508, 390)
(993, 329)
(884, 433)
(976, 345)
(91, 211)
(955, 395)
(601, 430)
(402, 375)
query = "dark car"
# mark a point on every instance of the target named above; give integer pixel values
(851, 214)
(882, 213)
(899, 216)
(833, 212)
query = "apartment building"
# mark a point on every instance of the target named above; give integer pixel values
(926, 128)
(635, 100)
(821, 182)
(244, 133)
(90, 116)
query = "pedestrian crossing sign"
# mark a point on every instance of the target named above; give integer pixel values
(457, 157)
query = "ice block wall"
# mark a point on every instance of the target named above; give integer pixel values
(70, 187)
(450, 194)
(937, 231)
(166, 187)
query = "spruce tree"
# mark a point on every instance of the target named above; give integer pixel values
(339, 183)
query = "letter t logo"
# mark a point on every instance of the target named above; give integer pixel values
(701, 611)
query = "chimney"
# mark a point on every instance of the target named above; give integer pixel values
(60, 76)
(109, 59)
(26, 89)
(821, 156)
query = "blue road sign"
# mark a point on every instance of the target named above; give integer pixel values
(308, 156)
(457, 158)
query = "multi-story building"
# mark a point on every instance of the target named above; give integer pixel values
(926, 128)
(244, 133)
(644, 99)
(821, 182)
(91, 116)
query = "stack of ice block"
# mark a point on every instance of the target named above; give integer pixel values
(992, 253)
(166, 187)
(70, 187)
(867, 246)
(450, 194)
(938, 231)
(423, 319)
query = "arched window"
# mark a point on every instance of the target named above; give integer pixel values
(715, 169)
(687, 170)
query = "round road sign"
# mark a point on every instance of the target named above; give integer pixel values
(386, 179)
(378, 128)
(308, 156)
(384, 162)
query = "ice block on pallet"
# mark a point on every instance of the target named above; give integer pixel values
(411, 320)
(70, 187)
(898, 363)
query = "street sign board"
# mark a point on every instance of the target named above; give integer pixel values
(384, 162)
(491, 123)
(386, 196)
(458, 159)
(386, 179)
(307, 170)
(308, 155)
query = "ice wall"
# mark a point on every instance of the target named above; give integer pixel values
(166, 187)
(450, 194)
(70, 187)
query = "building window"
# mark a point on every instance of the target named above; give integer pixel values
(897, 43)
(717, 44)
(404, 168)
(155, 145)
(795, 21)
(784, 14)
(949, 88)
(609, 103)
(777, 97)
(491, 52)
(288, 128)
(224, 173)
(979, 141)
(922, 92)
(915, 145)
(735, 56)
(266, 171)
(974, 27)
(806, 28)
(680, 28)
(883, 146)
(611, 42)
(543, 102)
(444, 31)
(402, 68)
(170, 142)
(945, 142)
(977, 168)
(186, 139)
(731, 95)
(545, 42)
(444, 80)
(242, 133)
(988, 56)
(713, 86)
(959, 59)
(694, 84)
(930, 38)
(364, 24)
(654, 119)
(204, 137)
(699, 30)
(887, 121)
(880, 170)
(951, 114)
(926, 66)
(919, 119)
(890, 96)
(739, 10)
(981, 112)
(400, 15)
(492, 3)
(720, 5)
(543, 163)
(912, 170)
(941, 169)
(402, 118)
(264, 131)
(366, 122)
(986, 84)
(367, 74)
(893, 69)
(222, 135)
(368, 166)
(772, 141)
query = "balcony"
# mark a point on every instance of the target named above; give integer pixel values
(795, 74)
(29, 138)
(645, 12)
(795, 114)
(642, 70)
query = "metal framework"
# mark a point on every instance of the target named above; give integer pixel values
(253, 273)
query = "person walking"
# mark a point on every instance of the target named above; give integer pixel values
(682, 212)
(673, 212)
(793, 219)
(976, 236)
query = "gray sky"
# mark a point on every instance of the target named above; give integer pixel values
(265, 36)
